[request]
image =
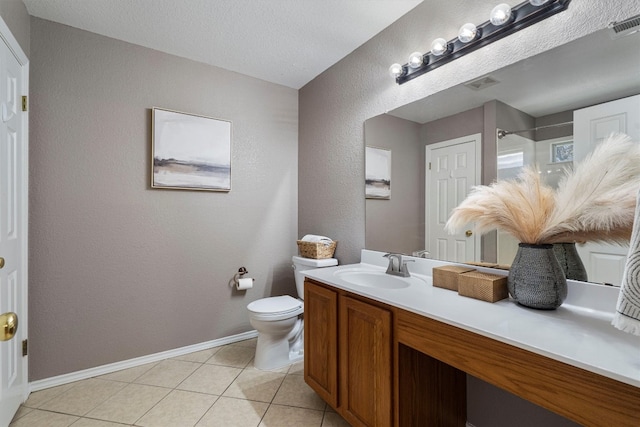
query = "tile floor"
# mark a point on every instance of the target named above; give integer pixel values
(215, 387)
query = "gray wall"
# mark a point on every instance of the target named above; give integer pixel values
(397, 225)
(118, 270)
(554, 132)
(334, 106)
(455, 126)
(15, 15)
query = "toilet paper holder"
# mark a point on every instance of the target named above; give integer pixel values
(241, 272)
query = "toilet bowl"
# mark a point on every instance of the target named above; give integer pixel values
(279, 322)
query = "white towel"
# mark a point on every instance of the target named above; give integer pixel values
(317, 239)
(627, 317)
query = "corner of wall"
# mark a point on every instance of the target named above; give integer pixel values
(15, 15)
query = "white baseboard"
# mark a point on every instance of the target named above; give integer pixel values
(138, 361)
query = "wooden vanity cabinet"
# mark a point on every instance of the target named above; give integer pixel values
(348, 354)
(379, 365)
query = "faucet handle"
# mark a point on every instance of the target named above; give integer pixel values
(392, 254)
(403, 267)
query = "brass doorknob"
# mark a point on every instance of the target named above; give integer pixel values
(1, 262)
(9, 325)
(468, 233)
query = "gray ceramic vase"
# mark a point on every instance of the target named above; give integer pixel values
(570, 261)
(536, 279)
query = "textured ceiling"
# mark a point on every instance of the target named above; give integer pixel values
(288, 42)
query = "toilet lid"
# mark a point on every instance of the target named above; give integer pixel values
(279, 304)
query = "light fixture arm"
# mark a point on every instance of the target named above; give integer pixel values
(523, 15)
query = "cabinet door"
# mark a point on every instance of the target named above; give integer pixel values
(321, 341)
(365, 364)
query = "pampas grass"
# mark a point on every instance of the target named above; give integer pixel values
(594, 202)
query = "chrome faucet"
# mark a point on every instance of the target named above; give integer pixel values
(421, 254)
(397, 267)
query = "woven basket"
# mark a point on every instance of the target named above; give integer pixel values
(316, 250)
(447, 276)
(483, 286)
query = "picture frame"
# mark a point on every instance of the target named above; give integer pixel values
(190, 152)
(562, 152)
(377, 173)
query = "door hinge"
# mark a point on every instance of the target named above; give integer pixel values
(24, 348)
(429, 165)
(24, 103)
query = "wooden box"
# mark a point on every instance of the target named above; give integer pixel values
(483, 286)
(447, 276)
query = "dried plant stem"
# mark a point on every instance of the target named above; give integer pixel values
(594, 202)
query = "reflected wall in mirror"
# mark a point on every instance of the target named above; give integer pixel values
(529, 100)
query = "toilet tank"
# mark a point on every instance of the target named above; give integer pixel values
(301, 264)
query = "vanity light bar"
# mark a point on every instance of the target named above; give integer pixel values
(522, 16)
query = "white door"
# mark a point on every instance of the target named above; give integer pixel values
(452, 168)
(604, 263)
(13, 223)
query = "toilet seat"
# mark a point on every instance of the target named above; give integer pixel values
(275, 308)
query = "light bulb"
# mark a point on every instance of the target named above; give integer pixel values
(415, 60)
(500, 15)
(467, 33)
(538, 2)
(439, 47)
(396, 70)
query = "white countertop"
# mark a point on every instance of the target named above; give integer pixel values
(578, 333)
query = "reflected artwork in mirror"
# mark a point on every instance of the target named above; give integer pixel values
(551, 110)
(377, 173)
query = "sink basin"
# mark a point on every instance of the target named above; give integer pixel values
(376, 279)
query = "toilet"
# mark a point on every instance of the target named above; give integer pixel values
(279, 322)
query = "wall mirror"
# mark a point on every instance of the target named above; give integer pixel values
(534, 101)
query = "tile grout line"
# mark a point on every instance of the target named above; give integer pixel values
(201, 364)
(221, 394)
(273, 397)
(175, 388)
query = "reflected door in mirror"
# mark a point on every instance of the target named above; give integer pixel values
(604, 263)
(452, 169)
